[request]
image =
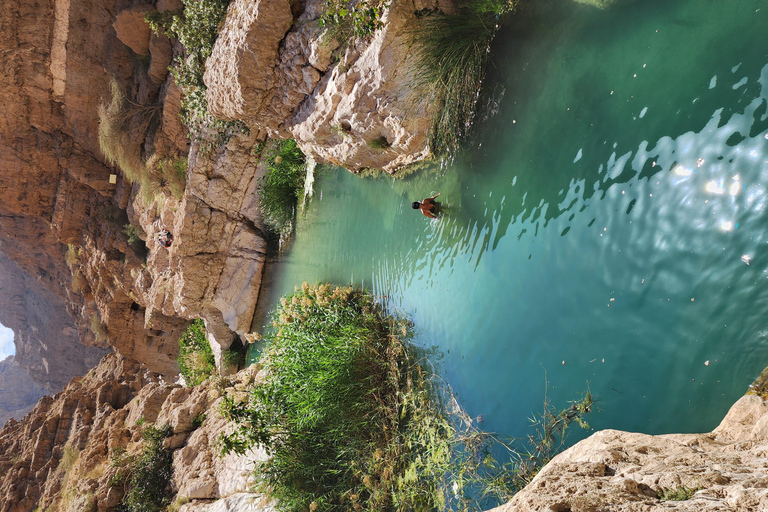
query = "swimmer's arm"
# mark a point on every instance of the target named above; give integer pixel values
(428, 214)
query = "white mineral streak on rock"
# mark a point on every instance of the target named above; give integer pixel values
(59, 48)
(623, 471)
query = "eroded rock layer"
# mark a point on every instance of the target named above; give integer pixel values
(65, 454)
(18, 392)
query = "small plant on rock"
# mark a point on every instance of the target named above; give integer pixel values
(196, 27)
(679, 493)
(196, 361)
(346, 20)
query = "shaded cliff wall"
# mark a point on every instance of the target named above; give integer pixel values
(46, 337)
(18, 392)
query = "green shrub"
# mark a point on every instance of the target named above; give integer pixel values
(196, 27)
(346, 20)
(282, 185)
(150, 474)
(353, 420)
(679, 493)
(452, 52)
(174, 174)
(196, 361)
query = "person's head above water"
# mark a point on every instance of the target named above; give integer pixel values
(415, 205)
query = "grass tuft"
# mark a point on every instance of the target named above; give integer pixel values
(281, 186)
(452, 53)
(679, 493)
(122, 125)
(196, 361)
(98, 328)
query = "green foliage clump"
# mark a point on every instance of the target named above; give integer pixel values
(379, 142)
(345, 20)
(452, 52)
(196, 27)
(196, 361)
(353, 420)
(679, 493)
(150, 474)
(281, 186)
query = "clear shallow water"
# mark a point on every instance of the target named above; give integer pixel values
(600, 219)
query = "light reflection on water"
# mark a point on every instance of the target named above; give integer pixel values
(577, 235)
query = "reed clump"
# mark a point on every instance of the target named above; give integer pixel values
(196, 361)
(451, 56)
(353, 419)
(282, 185)
(123, 125)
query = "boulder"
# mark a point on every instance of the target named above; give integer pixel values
(132, 30)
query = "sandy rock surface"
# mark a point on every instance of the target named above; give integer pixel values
(623, 471)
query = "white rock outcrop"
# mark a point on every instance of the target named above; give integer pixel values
(274, 70)
(626, 472)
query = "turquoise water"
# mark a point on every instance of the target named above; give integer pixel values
(602, 219)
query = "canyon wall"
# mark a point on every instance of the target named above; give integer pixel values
(67, 453)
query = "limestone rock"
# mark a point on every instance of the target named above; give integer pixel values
(161, 51)
(132, 30)
(97, 415)
(278, 78)
(623, 471)
(214, 268)
(241, 73)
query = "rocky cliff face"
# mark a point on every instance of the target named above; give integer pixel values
(18, 392)
(623, 471)
(55, 189)
(63, 454)
(272, 67)
(63, 220)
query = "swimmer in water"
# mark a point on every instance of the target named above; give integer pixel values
(427, 206)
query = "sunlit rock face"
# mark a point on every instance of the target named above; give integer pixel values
(18, 392)
(625, 471)
(106, 411)
(273, 67)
